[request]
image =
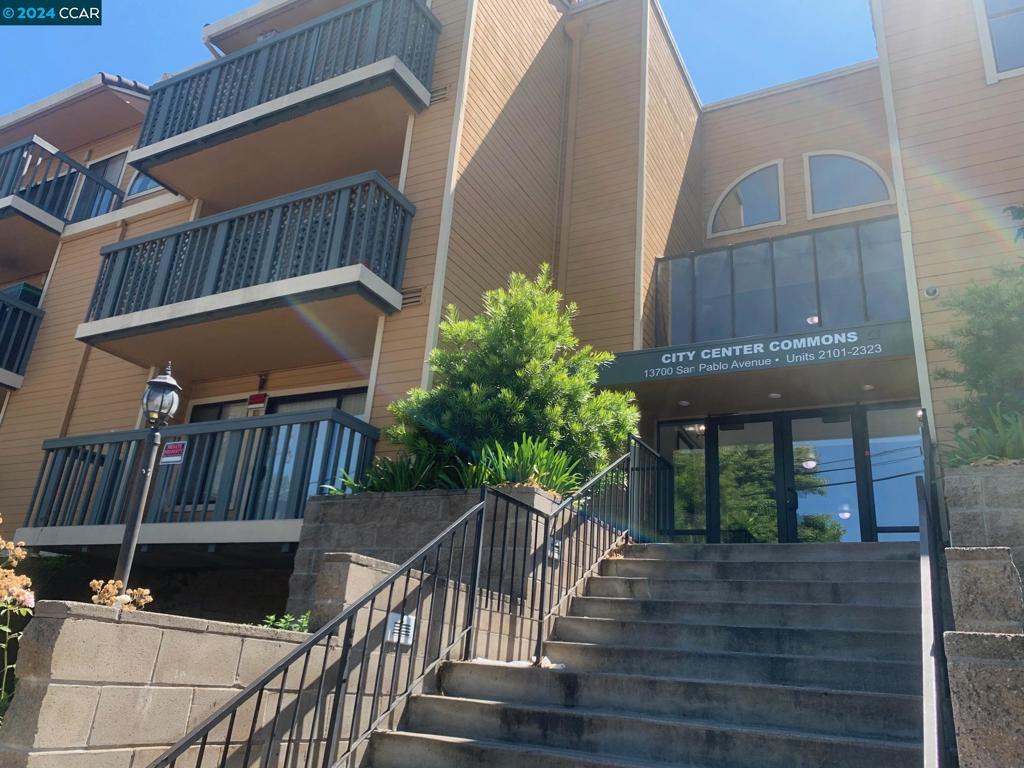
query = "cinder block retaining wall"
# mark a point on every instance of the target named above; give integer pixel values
(390, 527)
(986, 507)
(99, 689)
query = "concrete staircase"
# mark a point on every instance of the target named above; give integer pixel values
(704, 656)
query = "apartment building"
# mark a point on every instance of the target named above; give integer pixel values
(287, 222)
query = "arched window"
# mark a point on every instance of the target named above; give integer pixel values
(754, 200)
(141, 184)
(841, 181)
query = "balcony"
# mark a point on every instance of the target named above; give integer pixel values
(41, 190)
(295, 281)
(256, 123)
(241, 482)
(19, 323)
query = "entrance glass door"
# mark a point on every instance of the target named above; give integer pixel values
(843, 474)
(822, 498)
(748, 481)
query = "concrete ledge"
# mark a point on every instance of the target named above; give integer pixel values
(986, 591)
(986, 677)
(226, 532)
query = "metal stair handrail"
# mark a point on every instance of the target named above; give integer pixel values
(492, 579)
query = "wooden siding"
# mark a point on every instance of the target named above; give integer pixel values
(505, 210)
(842, 113)
(404, 339)
(601, 254)
(69, 388)
(956, 136)
(673, 221)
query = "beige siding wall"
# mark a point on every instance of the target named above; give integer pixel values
(673, 169)
(510, 155)
(600, 264)
(957, 136)
(69, 388)
(401, 358)
(841, 113)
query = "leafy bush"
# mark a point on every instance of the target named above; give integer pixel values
(287, 621)
(515, 369)
(1001, 438)
(529, 461)
(406, 472)
(987, 346)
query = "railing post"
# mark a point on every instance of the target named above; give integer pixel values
(474, 585)
(543, 607)
(340, 686)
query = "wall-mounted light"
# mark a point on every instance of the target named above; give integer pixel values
(775, 395)
(814, 319)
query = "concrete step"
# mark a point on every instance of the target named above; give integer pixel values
(824, 616)
(848, 644)
(891, 593)
(649, 738)
(903, 677)
(389, 749)
(777, 553)
(817, 710)
(758, 570)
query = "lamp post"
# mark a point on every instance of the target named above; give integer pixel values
(160, 403)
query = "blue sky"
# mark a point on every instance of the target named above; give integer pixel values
(730, 46)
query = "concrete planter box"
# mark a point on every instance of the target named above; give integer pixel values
(986, 507)
(99, 688)
(390, 528)
(986, 677)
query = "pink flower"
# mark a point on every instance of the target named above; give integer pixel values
(23, 597)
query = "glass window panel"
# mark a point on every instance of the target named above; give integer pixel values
(825, 480)
(1002, 6)
(681, 292)
(752, 277)
(796, 296)
(884, 280)
(683, 445)
(839, 281)
(142, 183)
(1008, 40)
(713, 279)
(897, 460)
(95, 200)
(746, 483)
(753, 201)
(839, 182)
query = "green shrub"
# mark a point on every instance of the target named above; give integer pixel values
(1001, 438)
(515, 369)
(987, 346)
(528, 462)
(287, 621)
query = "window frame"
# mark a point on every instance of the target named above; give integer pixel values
(342, 386)
(781, 221)
(80, 184)
(809, 191)
(988, 50)
(137, 195)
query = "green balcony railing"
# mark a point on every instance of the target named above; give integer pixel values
(43, 176)
(19, 323)
(260, 468)
(359, 220)
(355, 36)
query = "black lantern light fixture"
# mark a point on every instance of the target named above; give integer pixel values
(160, 403)
(161, 399)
